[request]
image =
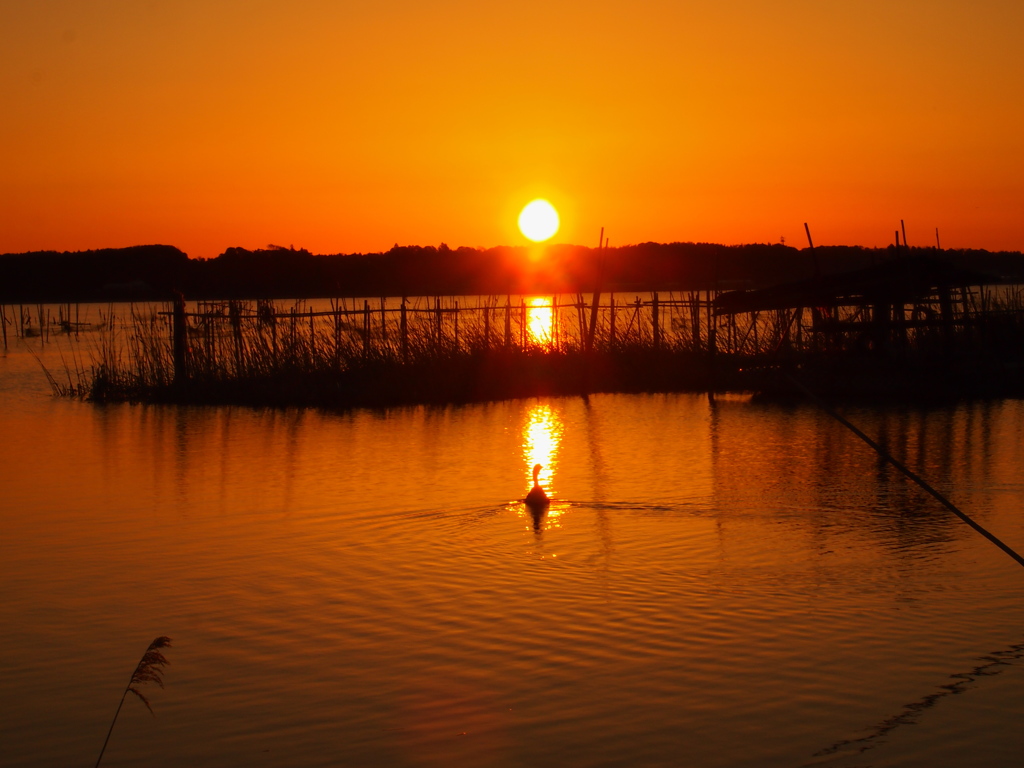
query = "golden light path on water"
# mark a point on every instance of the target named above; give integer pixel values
(542, 435)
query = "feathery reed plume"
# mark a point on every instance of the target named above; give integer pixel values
(149, 670)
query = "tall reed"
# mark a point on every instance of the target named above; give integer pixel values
(149, 670)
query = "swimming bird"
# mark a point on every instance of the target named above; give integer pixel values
(536, 498)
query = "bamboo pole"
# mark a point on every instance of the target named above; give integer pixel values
(599, 268)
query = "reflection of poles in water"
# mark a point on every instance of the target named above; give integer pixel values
(598, 469)
(886, 456)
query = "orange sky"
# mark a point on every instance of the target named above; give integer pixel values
(350, 126)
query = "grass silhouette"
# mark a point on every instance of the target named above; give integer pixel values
(149, 670)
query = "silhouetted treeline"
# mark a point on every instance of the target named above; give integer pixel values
(156, 272)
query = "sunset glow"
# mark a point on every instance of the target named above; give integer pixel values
(188, 124)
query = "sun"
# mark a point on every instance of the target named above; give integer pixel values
(538, 220)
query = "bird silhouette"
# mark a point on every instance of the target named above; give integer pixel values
(536, 498)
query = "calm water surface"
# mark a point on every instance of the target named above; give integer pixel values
(716, 584)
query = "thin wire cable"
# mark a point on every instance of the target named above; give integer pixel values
(906, 471)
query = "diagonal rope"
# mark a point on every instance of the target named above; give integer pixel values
(906, 471)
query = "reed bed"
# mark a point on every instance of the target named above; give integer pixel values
(385, 351)
(381, 352)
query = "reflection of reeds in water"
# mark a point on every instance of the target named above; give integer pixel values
(149, 670)
(993, 664)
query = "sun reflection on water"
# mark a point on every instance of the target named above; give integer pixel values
(542, 436)
(539, 315)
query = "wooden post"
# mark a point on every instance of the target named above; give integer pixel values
(487, 323)
(366, 328)
(456, 324)
(3, 322)
(337, 331)
(383, 323)
(611, 322)
(711, 325)
(273, 329)
(438, 323)
(291, 331)
(694, 321)
(904, 228)
(814, 256)
(965, 315)
(655, 326)
(508, 321)
(522, 322)
(179, 329)
(711, 353)
(554, 322)
(311, 347)
(404, 330)
(234, 318)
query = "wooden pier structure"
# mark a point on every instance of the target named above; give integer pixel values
(911, 316)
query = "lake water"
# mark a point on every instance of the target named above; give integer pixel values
(717, 583)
